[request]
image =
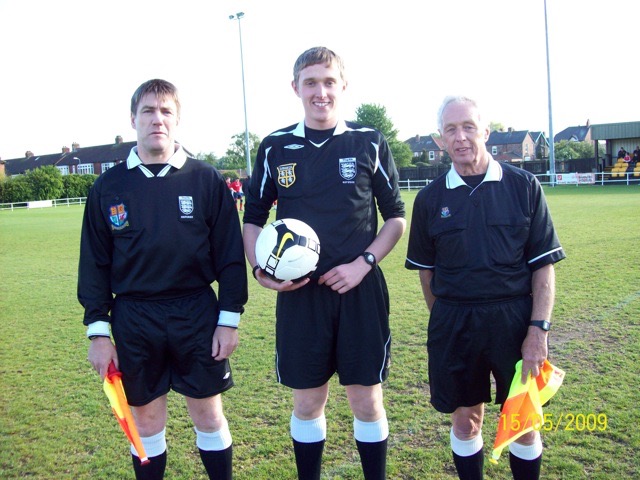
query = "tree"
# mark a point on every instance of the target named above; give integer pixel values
(15, 189)
(76, 186)
(566, 150)
(373, 115)
(496, 127)
(46, 183)
(209, 158)
(235, 158)
(401, 152)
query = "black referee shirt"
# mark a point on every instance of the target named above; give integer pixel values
(334, 187)
(159, 232)
(482, 243)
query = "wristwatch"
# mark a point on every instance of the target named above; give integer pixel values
(370, 258)
(543, 324)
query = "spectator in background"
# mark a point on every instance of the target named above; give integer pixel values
(238, 194)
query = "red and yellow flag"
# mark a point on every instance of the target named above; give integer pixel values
(522, 411)
(118, 400)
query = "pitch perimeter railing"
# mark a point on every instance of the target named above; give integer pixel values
(59, 202)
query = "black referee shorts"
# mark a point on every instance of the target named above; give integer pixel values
(166, 344)
(320, 332)
(467, 343)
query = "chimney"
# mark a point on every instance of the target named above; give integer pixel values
(510, 130)
(417, 138)
(75, 146)
(118, 139)
(28, 154)
(65, 150)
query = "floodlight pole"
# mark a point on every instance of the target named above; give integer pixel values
(552, 156)
(238, 16)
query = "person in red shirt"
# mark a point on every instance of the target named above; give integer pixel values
(238, 194)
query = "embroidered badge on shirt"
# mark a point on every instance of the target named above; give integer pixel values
(118, 216)
(348, 168)
(287, 174)
(186, 206)
(445, 213)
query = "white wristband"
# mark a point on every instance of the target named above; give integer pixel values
(229, 319)
(99, 328)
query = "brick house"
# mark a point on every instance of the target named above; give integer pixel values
(96, 159)
(429, 146)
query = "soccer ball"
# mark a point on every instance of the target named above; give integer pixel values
(288, 249)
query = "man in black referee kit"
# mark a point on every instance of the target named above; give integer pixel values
(331, 174)
(484, 244)
(158, 229)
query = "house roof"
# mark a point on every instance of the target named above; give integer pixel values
(537, 136)
(575, 134)
(98, 154)
(507, 138)
(17, 166)
(421, 143)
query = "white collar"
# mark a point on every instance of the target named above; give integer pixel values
(177, 160)
(341, 127)
(494, 174)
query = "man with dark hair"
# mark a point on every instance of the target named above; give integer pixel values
(484, 244)
(158, 230)
(331, 174)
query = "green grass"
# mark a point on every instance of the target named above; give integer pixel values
(55, 422)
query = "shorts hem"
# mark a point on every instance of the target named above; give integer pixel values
(203, 395)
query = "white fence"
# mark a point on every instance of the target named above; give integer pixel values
(409, 185)
(576, 179)
(60, 202)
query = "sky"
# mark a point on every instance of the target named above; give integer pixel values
(68, 68)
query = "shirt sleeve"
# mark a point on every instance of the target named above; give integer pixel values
(261, 191)
(385, 183)
(227, 252)
(94, 271)
(543, 247)
(420, 249)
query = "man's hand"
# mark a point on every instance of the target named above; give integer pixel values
(534, 352)
(224, 342)
(268, 282)
(101, 352)
(344, 277)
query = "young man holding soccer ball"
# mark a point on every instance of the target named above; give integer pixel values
(330, 174)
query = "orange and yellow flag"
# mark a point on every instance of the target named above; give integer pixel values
(118, 400)
(522, 411)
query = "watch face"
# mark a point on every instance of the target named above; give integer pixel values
(369, 258)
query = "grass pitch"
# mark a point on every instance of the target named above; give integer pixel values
(55, 422)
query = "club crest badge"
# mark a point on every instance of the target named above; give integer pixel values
(444, 212)
(348, 168)
(118, 216)
(287, 174)
(186, 205)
